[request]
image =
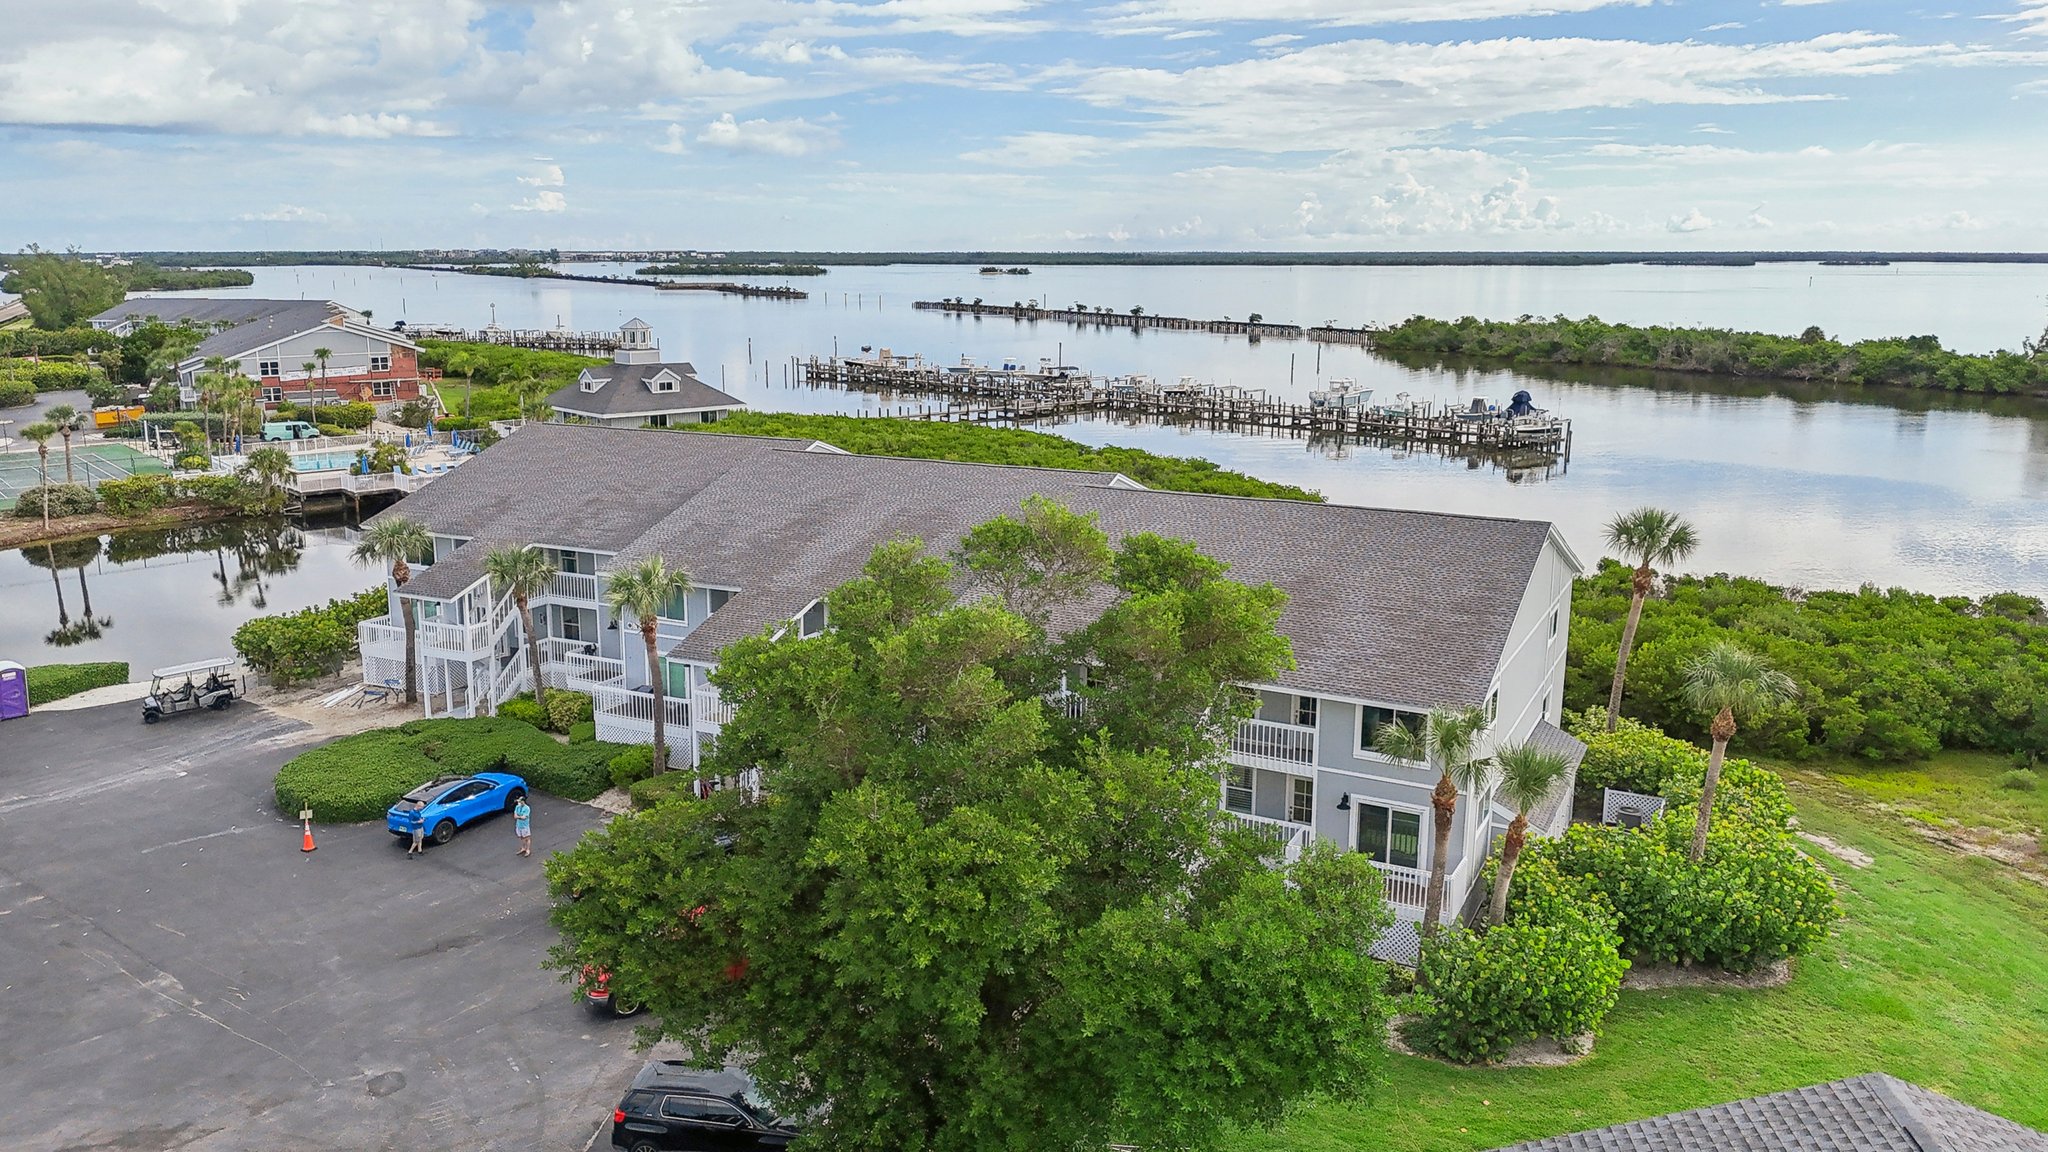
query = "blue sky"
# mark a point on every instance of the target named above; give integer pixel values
(1119, 124)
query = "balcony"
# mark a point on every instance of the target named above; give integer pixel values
(456, 639)
(625, 716)
(1288, 838)
(713, 713)
(572, 586)
(1270, 744)
(1406, 887)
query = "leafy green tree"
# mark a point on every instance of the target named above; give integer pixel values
(643, 592)
(963, 925)
(1726, 680)
(62, 290)
(1652, 538)
(271, 466)
(1528, 774)
(1448, 741)
(392, 540)
(39, 434)
(65, 419)
(525, 573)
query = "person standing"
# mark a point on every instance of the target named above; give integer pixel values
(522, 825)
(417, 822)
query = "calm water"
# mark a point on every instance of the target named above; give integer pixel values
(162, 597)
(1805, 487)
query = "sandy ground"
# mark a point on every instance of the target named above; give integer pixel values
(1852, 856)
(1540, 1052)
(1644, 977)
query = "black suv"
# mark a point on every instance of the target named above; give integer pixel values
(674, 1106)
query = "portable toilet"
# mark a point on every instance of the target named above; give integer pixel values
(13, 690)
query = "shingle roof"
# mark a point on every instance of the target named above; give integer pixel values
(625, 392)
(1554, 812)
(1408, 608)
(250, 322)
(1874, 1113)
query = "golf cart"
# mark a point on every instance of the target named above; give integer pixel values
(175, 689)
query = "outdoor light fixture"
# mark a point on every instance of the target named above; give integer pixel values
(1344, 802)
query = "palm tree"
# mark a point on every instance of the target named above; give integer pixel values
(1448, 740)
(271, 466)
(525, 573)
(39, 433)
(65, 418)
(1527, 775)
(1653, 538)
(392, 540)
(210, 385)
(642, 591)
(321, 354)
(1723, 681)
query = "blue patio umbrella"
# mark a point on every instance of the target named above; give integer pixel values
(408, 441)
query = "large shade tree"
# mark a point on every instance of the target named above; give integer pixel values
(1649, 538)
(524, 573)
(954, 921)
(395, 541)
(64, 289)
(643, 591)
(1448, 741)
(1723, 682)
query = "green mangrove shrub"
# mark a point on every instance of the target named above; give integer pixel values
(310, 643)
(65, 500)
(51, 682)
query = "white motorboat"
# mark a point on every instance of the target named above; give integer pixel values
(1342, 393)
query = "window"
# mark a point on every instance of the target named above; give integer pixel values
(1237, 789)
(1301, 799)
(383, 387)
(813, 621)
(702, 1110)
(1553, 623)
(267, 368)
(380, 363)
(677, 608)
(676, 678)
(1390, 836)
(1375, 718)
(572, 624)
(718, 597)
(1492, 705)
(1544, 712)
(273, 395)
(658, 420)
(1305, 711)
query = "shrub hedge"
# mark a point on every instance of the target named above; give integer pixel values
(358, 777)
(306, 644)
(48, 682)
(65, 500)
(523, 709)
(134, 495)
(52, 375)
(14, 392)
(568, 709)
(653, 790)
(582, 733)
(1553, 969)
(633, 765)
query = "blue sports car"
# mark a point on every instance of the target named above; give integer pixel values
(451, 803)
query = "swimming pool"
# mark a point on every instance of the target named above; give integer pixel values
(323, 461)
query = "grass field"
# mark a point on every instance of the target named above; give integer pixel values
(1939, 975)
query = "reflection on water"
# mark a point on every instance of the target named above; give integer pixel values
(177, 593)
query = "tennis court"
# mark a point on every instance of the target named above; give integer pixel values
(90, 464)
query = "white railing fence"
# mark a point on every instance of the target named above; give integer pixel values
(1406, 887)
(511, 679)
(711, 708)
(623, 704)
(1289, 838)
(1270, 740)
(573, 586)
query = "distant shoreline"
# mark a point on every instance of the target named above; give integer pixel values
(1125, 259)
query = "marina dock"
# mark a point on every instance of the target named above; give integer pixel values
(1014, 394)
(1139, 319)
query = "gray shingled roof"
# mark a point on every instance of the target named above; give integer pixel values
(254, 322)
(1410, 608)
(1874, 1113)
(1551, 816)
(626, 394)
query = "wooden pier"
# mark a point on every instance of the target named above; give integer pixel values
(984, 395)
(1139, 319)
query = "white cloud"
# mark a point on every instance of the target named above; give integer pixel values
(2031, 18)
(1693, 221)
(795, 51)
(1712, 130)
(1757, 219)
(545, 201)
(549, 176)
(286, 214)
(1341, 13)
(1039, 150)
(1275, 40)
(672, 141)
(797, 137)
(1724, 26)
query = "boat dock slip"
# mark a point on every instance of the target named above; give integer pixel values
(1013, 394)
(1138, 318)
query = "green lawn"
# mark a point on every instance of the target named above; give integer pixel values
(1952, 786)
(1938, 975)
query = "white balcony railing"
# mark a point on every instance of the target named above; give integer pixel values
(1406, 887)
(619, 704)
(573, 586)
(1267, 742)
(511, 679)
(712, 711)
(1290, 838)
(458, 638)
(383, 635)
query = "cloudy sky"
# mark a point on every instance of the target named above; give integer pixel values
(1138, 124)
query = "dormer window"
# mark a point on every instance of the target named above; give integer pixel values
(663, 381)
(591, 383)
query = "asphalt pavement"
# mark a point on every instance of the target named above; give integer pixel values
(176, 973)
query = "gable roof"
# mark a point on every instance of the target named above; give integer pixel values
(1874, 1113)
(244, 324)
(625, 392)
(1406, 608)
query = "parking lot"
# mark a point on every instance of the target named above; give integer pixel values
(175, 973)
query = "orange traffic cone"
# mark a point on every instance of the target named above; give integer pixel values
(308, 845)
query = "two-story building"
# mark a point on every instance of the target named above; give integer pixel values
(299, 350)
(638, 388)
(1390, 613)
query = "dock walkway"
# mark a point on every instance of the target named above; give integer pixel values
(1104, 318)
